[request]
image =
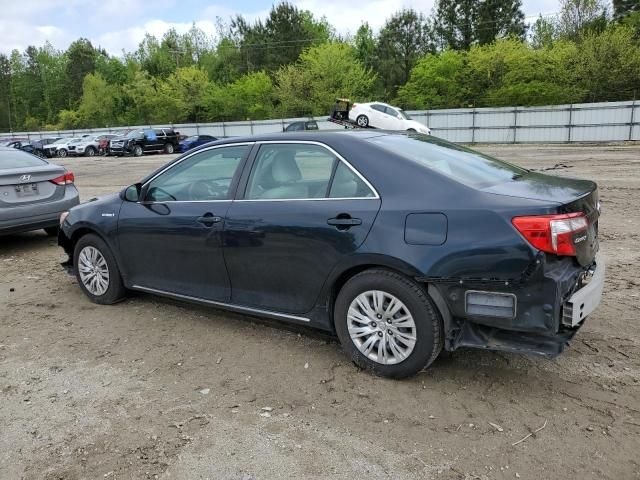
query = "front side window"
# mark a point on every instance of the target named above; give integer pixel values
(302, 171)
(205, 176)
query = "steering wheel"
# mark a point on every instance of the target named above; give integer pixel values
(203, 190)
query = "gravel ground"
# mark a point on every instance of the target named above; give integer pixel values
(151, 388)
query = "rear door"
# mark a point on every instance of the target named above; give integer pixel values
(304, 209)
(26, 180)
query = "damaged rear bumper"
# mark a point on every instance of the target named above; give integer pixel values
(549, 307)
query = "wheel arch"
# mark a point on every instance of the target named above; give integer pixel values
(370, 262)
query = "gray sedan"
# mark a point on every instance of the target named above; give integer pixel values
(33, 192)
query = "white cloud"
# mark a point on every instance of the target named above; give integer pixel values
(121, 24)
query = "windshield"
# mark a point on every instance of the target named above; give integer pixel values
(191, 139)
(404, 115)
(18, 159)
(466, 166)
(62, 140)
(135, 134)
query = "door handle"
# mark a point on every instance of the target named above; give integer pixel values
(344, 222)
(208, 219)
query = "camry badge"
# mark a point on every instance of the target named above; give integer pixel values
(25, 178)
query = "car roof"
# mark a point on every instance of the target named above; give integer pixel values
(322, 136)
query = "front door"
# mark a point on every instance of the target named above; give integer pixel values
(171, 241)
(302, 211)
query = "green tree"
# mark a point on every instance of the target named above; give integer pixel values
(285, 33)
(458, 24)
(142, 99)
(81, 60)
(249, 98)
(100, 102)
(437, 81)
(322, 73)
(403, 39)
(580, 16)
(183, 96)
(544, 32)
(608, 64)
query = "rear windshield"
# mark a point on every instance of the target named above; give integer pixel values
(18, 159)
(461, 164)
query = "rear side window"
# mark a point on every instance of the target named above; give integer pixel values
(18, 159)
(302, 171)
(461, 164)
(347, 184)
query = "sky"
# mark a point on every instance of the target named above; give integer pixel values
(118, 25)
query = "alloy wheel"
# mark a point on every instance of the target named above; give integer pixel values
(94, 271)
(381, 327)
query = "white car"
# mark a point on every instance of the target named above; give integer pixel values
(381, 115)
(66, 147)
(87, 146)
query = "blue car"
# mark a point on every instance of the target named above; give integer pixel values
(400, 243)
(194, 141)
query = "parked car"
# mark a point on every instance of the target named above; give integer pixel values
(137, 142)
(194, 141)
(67, 146)
(7, 141)
(302, 125)
(50, 150)
(33, 192)
(88, 146)
(381, 115)
(28, 146)
(403, 244)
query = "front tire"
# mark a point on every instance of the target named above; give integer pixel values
(97, 271)
(168, 148)
(137, 151)
(388, 324)
(89, 152)
(362, 121)
(62, 153)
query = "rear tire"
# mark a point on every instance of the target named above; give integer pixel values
(97, 271)
(168, 148)
(362, 121)
(411, 336)
(51, 231)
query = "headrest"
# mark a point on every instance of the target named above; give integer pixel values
(284, 168)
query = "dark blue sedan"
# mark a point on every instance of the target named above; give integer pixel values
(194, 141)
(401, 244)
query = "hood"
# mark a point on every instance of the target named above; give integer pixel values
(418, 126)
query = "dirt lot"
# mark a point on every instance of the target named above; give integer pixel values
(155, 389)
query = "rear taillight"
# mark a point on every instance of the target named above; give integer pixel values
(552, 233)
(65, 179)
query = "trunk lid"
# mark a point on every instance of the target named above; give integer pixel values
(27, 185)
(569, 195)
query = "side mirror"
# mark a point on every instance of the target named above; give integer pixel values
(399, 117)
(132, 193)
